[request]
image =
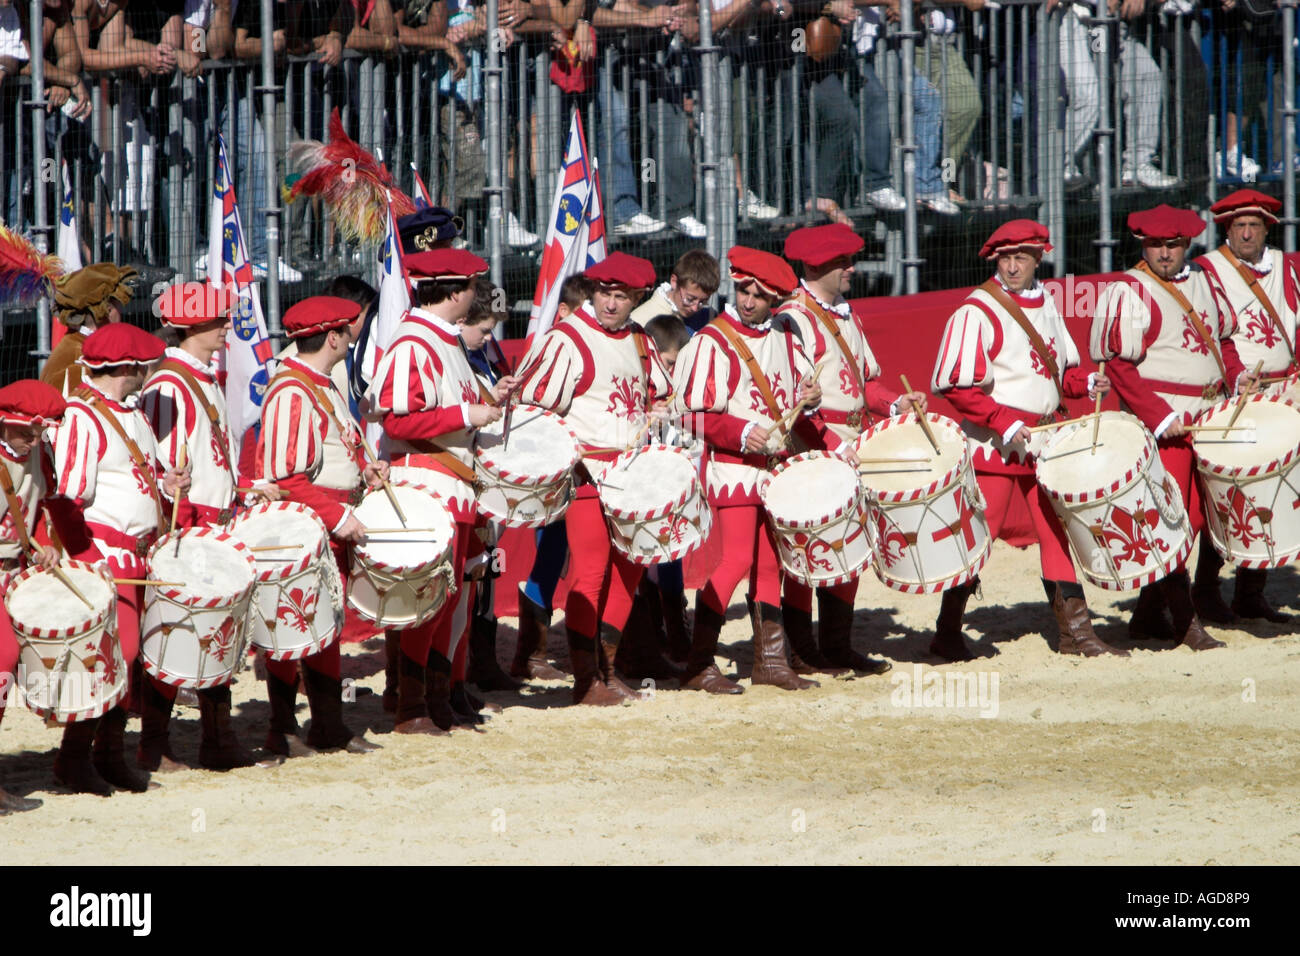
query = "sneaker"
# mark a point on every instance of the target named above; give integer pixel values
(1148, 176)
(691, 227)
(287, 272)
(887, 199)
(940, 204)
(755, 208)
(517, 236)
(639, 225)
(1248, 170)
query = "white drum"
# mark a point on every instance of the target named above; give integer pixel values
(814, 505)
(402, 578)
(70, 664)
(194, 628)
(1123, 514)
(928, 531)
(654, 504)
(529, 482)
(297, 606)
(1251, 483)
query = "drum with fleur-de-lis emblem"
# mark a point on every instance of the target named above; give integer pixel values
(194, 627)
(654, 504)
(814, 505)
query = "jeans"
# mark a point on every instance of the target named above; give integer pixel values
(247, 154)
(927, 112)
(619, 168)
(552, 552)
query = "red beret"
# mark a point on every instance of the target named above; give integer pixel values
(1014, 236)
(320, 313)
(771, 272)
(120, 344)
(31, 402)
(184, 304)
(815, 246)
(618, 268)
(445, 264)
(1247, 202)
(1165, 222)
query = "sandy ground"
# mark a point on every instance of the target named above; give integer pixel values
(1169, 757)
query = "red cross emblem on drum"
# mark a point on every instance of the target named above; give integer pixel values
(962, 524)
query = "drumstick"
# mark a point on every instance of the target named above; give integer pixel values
(920, 415)
(370, 531)
(1062, 424)
(149, 583)
(1241, 399)
(895, 461)
(888, 471)
(20, 528)
(793, 414)
(1096, 411)
(388, 489)
(67, 583)
(1218, 428)
(176, 501)
(274, 547)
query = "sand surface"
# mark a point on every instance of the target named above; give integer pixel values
(1169, 757)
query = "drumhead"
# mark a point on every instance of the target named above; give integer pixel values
(401, 549)
(42, 601)
(280, 523)
(1067, 466)
(204, 566)
(1276, 434)
(541, 444)
(906, 439)
(653, 479)
(809, 489)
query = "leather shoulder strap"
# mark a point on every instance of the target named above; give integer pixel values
(833, 327)
(15, 509)
(106, 415)
(1248, 276)
(1013, 309)
(214, 418)
(1190, 312)
(756, 373)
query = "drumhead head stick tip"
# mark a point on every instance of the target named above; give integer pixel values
(1244, 396)
(920, 415)
(1096, 411)
(181, 460)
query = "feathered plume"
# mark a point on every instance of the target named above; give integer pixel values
(354, 185)
(26, 273)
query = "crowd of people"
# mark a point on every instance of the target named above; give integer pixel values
(129, 426)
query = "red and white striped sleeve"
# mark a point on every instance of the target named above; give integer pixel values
(78, 446)
(551, 378)
(1119, 325)
(293, 435)
(170, 410)
(406, 380)
(702, 376)
(963, 360)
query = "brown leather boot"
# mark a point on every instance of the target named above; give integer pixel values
(677, 626)
(805, 656)
(1248, 598)
(530, 646)
(412, 715)
(282, 737)
(327, 730)
(437, 692)
(1149, 621)
(484, 668)
(835, 634)
(1206, 596)
(219, 748)
(1187, 626)
(392, 649)
(72, 765)
(771, 665)
(588, 685)
(641, 652)
(949, 643)
(466, 707)
(154, 752)
(701, 669)
(110, 754)
(606, 651)
(1075, 624)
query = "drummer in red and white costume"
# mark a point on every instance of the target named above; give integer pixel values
(602, 372)
(27, 408)
(431, 404)
(1002, 381)
(310, 446)
(1166, 336)
(187, 408)
(735, 379)
(1263, 289)
(112, 484)
(833, 336)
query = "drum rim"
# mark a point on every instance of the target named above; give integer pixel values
(692, 490)
(493, 468)
(180, 597)
(939, 485)
(1261, 471)
(358, 550)
(1149, 452)
(674, 554)
(100, 569)
(826, 519)
(269, 574)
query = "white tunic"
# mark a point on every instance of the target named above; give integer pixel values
(1257, 337)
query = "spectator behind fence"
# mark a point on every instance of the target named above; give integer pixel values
(1253, 35)
(686, 294)
(946, 71)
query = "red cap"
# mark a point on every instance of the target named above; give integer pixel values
(772, 273)
(120, 344)
(1246, 202)
(618, 268)
(320, 313)
(450, 265)
(31, 402)
(1165, 222)
(185, 304)
(815, 246)
(1016, 236)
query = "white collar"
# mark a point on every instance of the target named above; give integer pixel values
(9, 450)
(1183, 273)
(730, 309)
(181, 355)
(665, 292)
(449, 327)
(1035, 291)
(840, 308)
(1265, 264)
